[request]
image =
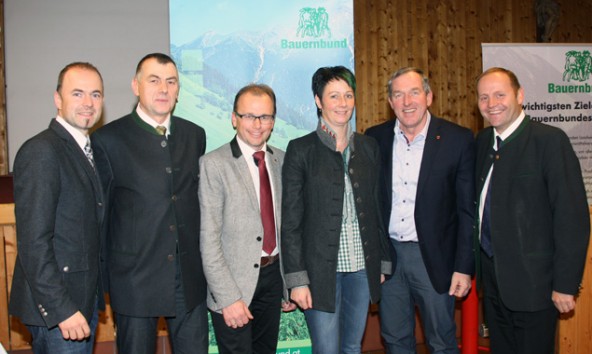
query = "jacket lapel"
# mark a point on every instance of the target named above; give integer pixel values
(83, 163)
(430, 153)
(240, 165)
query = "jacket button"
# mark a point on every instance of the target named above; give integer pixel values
(163, 143)
(256, 265)
(45, 314)
(170, 257)
(356, 185)
(174, 197)
(359, 200)
(168, 170)
(172, 228)
(66, 269)
(259, 238)
(351, 171)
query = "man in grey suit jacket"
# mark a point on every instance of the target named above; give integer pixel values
(56, 289)
(245, 285)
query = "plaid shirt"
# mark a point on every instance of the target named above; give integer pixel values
(350, 257)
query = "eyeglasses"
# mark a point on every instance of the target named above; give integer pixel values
(263, 119)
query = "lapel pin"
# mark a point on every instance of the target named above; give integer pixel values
(437, 137)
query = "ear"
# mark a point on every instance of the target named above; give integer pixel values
(429, 98)
(391, 102)
(57, 100)
(234, 119)
(318, 102)
(520, 96)
(135, 87)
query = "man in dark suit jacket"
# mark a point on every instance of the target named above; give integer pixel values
(56, 289)
(534, 224)
(149, 165)
(427, 165)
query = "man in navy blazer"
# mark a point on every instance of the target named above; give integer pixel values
(56, 289)
(428, 181)
(534, 220)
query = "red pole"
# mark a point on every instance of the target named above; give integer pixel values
(470, 322)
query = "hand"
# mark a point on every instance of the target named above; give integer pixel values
(302, 298)
(563, 302)
(382, 278)
(237, 314)
(288, 306)
(75, 327)
(460, 284)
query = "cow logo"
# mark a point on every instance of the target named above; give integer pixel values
(578, 66)
(313, 23)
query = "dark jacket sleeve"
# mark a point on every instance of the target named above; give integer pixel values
(36, 204)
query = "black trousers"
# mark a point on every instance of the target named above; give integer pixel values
(188, 329)
(515, 332)
(260, 335)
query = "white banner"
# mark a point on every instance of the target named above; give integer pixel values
(557, 82)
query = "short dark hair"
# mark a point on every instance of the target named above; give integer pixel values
(323, 75)
(257, 90)
(161, 58)
(409, 69)
(76, 65)
(513, 78)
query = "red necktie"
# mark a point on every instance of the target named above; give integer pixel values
(265, 204)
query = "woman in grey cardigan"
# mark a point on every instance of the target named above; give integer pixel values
(334, 248)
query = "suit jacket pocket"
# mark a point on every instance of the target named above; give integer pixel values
(72, 263)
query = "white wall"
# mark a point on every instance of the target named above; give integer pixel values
(42, 36)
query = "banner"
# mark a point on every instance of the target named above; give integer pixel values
(557, 82)
(221, 46)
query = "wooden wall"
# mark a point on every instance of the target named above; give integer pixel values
(444, 39)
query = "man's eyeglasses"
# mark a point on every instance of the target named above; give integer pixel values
(264, 118)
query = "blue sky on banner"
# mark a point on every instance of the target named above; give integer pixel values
(220, 46)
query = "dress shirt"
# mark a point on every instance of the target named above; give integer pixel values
(80, 137)
(407, 158)
(248, 152)
(511, 129)
(151, 122)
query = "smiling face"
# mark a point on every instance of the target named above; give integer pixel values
(337, 103)
(80, 98)
(410, 102)
(500, 103)
(253, 131)
(157, 87)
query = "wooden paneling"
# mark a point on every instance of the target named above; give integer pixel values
(444, 39)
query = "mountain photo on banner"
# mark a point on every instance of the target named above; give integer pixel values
(221, 46)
